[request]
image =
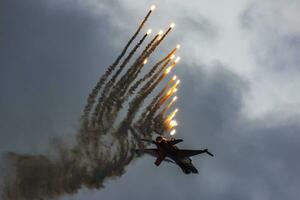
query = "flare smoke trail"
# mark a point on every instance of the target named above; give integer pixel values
(124, 84)
(127, 78)
(136, 103)
(155, 78)
(137, 83)
(108, 100)
(111, 68)
(150, 73)
(102, 150)
(152, 108)
(113, 79)
(162, 100)
(168, 106)
(136, 72)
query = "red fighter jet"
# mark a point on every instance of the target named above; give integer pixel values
(167, 151)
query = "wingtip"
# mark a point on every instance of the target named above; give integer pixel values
(212, 155)
(206, 151)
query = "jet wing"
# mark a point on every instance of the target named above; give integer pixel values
(188, 168)
(153, 152)
(189, 153)
(173, 142)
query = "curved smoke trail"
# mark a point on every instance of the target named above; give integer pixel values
(92, 96)
(150, 73)
(102, 150)
(107, 101)
(146, 117)
(111, 82)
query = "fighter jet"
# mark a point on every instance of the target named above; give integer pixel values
(167, 151)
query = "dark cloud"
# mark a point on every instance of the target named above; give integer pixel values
(253, 159)
(286, 62)
(248, 16)
(277, 49)
(201, 25)
(51, 57)
(256, 159)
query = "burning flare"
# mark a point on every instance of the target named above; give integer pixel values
(152, 8)
(173, 132)
(105, 139)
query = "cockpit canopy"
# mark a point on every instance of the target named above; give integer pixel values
(159, 139)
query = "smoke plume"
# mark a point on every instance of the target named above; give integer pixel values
(104, 145)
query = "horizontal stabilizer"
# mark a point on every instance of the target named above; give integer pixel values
(188, 153)
(173, 142)
(212, 155)
(152, 152)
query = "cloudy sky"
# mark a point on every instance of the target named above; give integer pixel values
(239, 96)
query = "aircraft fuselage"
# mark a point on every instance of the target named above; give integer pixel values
(168, 150)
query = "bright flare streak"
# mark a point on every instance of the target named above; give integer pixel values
(174, 90)
(160, 32)
(172, 115)
(174, 78)
(145, 61)
(172, 25)
(169, 92)
(177, 82)
(173, 132)
(178, 46)
(177, 59)
(174, 99)
(152, 7)
(168, 70)
(149, 31)
(172, 56)
(169, 105)
(173, 123)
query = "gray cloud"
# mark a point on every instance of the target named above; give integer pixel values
(252, 160)
(52, 54)
(274, 45)
(49, 59)
(199, 24)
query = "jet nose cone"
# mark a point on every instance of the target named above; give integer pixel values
(159, 139)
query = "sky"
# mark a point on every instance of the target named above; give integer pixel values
(240, 77)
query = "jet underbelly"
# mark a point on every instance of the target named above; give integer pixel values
(168, 152)
(186, 160)
(187, 166)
